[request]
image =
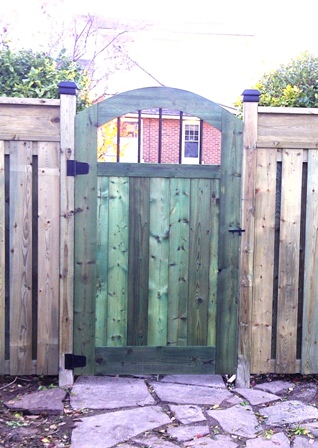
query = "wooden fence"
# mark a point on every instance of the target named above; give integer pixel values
(279, 265)
(36, 234)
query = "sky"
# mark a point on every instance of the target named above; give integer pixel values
(215, 49)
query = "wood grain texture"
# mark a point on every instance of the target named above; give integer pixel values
(178, 262)
(263, 269)
(2, 261)
(20, 258)
(29, 122)
(288, 128)
(309, 355)
(85, 239)
(117, 293)
(289, 261)
(247, 244)
(48, 258)
(214, 261)
(158, 262)
(102, 260)
(230, 195)
(154, 360)
(199, 261)
(66, 226)
(155, 170)
(160, 97)
(139, 222)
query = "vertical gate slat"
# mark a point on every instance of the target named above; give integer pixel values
(289, 261)
(48, 258)
(117, 261)
(2, 260)
(214, 263)
(265, 199)
(139, 216)
(309, 356)
(85, 240)
(102, 261)
(178, 262)
(200, 221)
(158, 261)
(230, 190)
(20, 258)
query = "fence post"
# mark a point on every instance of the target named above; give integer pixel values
(250, 118)
(67, 91)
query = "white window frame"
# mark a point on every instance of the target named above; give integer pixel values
(185, 123)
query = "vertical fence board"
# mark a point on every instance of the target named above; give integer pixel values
(247, 243)
(2, 261)
(230, 194)
(289, 261)
(85, 240)
(158, 261)
(199, 258)
(20, 258)
(118, 261)
(102, 261)
(213, 271)
(139, 216)
(48, 258)
(261, 323)
(178, 262)
(309, 355)
(66, 294)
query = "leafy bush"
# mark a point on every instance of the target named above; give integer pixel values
(294, 84)
(36, 75)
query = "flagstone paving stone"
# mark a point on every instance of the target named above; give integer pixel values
(185, 433)
(182, 411)
(50, 401)
(257, 396)
(278, 440)
(106, 430)
(109, 393)
(183, 394)
(187, 413)
(215, 442)
(312, 427)
(275, 387)
(196, 380)
(288, 412)
(153, 441)
(238, 420)
(304, 442)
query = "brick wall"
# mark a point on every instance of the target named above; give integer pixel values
(211, 142)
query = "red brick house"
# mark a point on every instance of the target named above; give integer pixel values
(166, 137)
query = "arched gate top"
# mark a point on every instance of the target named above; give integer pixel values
(160, 97)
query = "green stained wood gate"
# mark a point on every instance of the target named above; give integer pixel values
(156, 266)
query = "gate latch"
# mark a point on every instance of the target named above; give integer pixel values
(238, 230)
(73, 361)
(73, 168)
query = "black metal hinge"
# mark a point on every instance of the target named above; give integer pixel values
(73, 168)
(239, 231)
(73, 361)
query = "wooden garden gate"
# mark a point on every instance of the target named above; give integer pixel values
(157, 249)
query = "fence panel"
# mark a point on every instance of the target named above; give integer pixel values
(309, 360)
(2, 261)
(30, 235)
(284, 317)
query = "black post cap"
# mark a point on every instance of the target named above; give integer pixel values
(251, 96)
(67, 88)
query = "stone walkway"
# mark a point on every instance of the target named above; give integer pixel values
(189, 411)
